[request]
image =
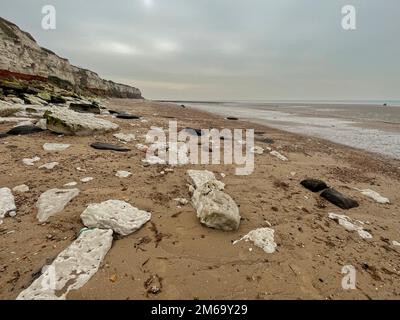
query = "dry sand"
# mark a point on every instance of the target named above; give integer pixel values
(191, 261)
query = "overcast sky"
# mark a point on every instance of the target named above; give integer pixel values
(227, 49)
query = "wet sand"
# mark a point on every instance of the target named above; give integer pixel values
(189, 260)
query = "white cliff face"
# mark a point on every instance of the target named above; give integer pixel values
(21, 54)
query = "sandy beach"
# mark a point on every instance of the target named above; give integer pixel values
(186, 259)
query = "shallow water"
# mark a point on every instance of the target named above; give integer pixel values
(366, 126)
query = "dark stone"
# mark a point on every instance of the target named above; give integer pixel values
(84, 108)
(339, 199)
(232, 118)
(127, 116)
(3, 135)
(113, 112)
(183, 106)
(314, 185)
(194, 132)
(57, 100)
(108, 146)
(23, 130)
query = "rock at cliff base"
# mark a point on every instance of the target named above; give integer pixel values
(54, 201)
(24, 130)
(65, 121)
(42, 124)
(55, 147)
(314, 185)
(108, 146)
(262, 238)
(127, 116)
(85, 108)
(119, 216)
(339, 199)
(7, 203)
(72, 268)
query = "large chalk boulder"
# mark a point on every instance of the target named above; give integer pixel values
(72, 268)
(198, 178)
(7, 203)
(215, 208)
(54, 201)
(64, 121)
(119, 216)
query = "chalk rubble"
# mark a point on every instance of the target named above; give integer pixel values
(7, 203)
(263, 238)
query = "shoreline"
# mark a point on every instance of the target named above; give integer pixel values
(176, 248)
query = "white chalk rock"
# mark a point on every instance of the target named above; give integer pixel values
(119, 216)
(262, 238)
(348, 224)
(276, 154)
(375, 196)
(72, 268)
(42, 124)
(153, 160)
(65, 121)
(71, 184)
(54, 201)
(197, 178)
(7, 203)
(396, 243)
(49, 166)
(257, 150)
(30, 162)
(87, 179)
(21, 189)
(55, 147)
(123, 174)
(182, 201)
(125, 137)
(214, 208)
(142, 147)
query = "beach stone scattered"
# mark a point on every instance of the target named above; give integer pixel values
(199, 177)
(87, 179)
(125, 137)
(30, 162)
(24, 130)
(72, 268)
(7, 203)
(55, 147)
(49, 166)
(123, 174)
(232, 118)
(142, 147)
(375, 196)
(214, 208)
(276, 154)
(153, 160)
(119, 216)
(64, 121)
(182, 201)
(71, 184)
(127, 116)
(54, 201)
(338, 199)
(85, 108)
(396, 243)
(314, 185)
(21, 189)
(348, 224)
(108, 146)
(257, 150)
(263, 238)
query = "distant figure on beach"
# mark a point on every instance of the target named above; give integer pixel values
(385, 104)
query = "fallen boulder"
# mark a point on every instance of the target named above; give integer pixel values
(54, 201)
(24, 130)
(7, 203)
(198, 178)
(108, 146)
(85, 108)
(119, 216)
(314, 185)
(262, 238)
(72, 268)
(339, 199)
(65, 121)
